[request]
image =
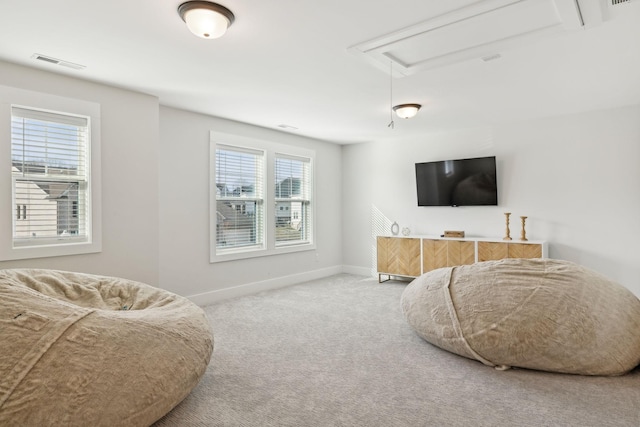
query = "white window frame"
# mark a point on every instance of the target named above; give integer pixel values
(270, 149)
(258, 199)
(9, 249)
(305, 200)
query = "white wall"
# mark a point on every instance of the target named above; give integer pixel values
(129, 125)
(155, 196)
(576, 178)
(184, 213)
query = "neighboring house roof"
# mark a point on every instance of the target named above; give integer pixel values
(230, 216)
(54, 190)
(288, 187)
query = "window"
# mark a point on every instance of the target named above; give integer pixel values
(261, 198)
(239, 199)
(53, 188)
(50, 176)
(292, 192)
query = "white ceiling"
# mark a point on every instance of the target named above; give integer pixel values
(297, 63)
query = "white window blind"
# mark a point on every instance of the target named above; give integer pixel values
(292, 198)
(239, 199)
(50, 177)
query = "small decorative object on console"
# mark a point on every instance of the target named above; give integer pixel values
(453, 233)
(406, 231)
(395, 228)
(508, 235)
(523, 234)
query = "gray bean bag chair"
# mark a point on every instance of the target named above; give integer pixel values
(85, 350)
(540, 314)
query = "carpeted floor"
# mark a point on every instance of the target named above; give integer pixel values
(338, 352)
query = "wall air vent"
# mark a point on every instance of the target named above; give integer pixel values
(616, 2)
(57, 61)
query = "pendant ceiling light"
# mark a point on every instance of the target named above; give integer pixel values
(406, 111)
(205, 19)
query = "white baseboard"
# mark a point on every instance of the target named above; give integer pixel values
(211, 297)
(360, 271)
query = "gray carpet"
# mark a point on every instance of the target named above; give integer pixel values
(338, 352)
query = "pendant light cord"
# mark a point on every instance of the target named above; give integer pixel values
(391, 124)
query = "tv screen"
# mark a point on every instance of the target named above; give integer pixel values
(463, 182)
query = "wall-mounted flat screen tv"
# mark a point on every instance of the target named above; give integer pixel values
(462, 182)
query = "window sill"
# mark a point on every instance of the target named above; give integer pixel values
(46, 251)
(232, 256)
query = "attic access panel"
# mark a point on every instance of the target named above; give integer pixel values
(481, 28)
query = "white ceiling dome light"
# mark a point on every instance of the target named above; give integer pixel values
(406, 111)
(206, 19)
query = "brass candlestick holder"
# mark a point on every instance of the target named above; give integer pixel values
(523, 233)
(508, 236)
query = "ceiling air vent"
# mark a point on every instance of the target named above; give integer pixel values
(613, 3)
(287, 127)
(57, 61)
(491, 57)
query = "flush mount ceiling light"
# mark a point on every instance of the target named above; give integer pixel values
(205, 19)
(406, 111)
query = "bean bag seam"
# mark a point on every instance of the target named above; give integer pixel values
(36, 353)
(456, 323)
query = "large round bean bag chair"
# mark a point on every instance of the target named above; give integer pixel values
(540, 314)
(84, 350)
